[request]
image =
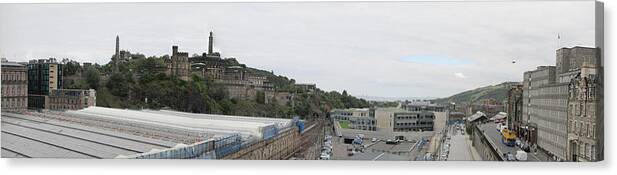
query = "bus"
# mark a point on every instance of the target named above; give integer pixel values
(508, 137)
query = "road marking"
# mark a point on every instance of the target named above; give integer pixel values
(378, 156)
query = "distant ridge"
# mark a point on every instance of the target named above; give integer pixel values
(379, 98)
(497, 92)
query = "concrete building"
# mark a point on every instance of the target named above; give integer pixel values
(421, 105)
(179, 64)
(399, 120)
(70, 99)
(545, 107)
(358, 118)
(545, 99)
(44, 75)
(585, 115)
(14, 87)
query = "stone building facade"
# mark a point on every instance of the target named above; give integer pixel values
(585, 115)
(14, 87)
(70, 99)
(179, 64)
(514, 111)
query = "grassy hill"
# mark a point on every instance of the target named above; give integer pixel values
(497, 92)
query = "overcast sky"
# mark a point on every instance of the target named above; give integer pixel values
(415, 49)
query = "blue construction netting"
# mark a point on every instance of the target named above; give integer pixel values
(210, 149)
(193, 151)
(269, 131)
(226, 145)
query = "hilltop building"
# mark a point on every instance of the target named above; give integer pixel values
(236, 78)
(120, 56)
(179, 64)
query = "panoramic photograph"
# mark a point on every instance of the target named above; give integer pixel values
(518, 81)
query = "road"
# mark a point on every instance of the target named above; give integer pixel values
(494, 136)
(459, 147)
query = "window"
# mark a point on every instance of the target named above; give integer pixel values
(593, 152)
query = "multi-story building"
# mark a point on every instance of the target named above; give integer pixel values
(488, 106)
(44, 75)
(359, 118)
(70, 99)
(545, 106)
(14, 87)
(179, 64)
(585, 115)
(545, 99)
(310, 87)
(399, 120)
(421, 105)
(455, 117)
(514, 110)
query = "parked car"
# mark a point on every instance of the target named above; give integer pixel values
(374, 140)
(324, 156)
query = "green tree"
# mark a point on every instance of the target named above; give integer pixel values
(92, 77)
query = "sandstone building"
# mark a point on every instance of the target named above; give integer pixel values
(14, 87)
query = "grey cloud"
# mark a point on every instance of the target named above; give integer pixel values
(351, 46)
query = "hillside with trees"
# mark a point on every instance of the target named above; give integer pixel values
(141, 83)
(497, 92)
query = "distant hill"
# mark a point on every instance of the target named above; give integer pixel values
(497, 92)
(383, 99)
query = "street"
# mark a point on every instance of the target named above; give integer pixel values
(495, 137)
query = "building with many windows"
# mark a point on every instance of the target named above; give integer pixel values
(14, 87)
(585, 115)
(399, 120)
(70, 99)
(546, 92)
(44, 75)
(514, 111)
(358, 118)
(421, 105)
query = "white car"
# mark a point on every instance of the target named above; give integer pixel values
(324, 156)
(374, 140)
